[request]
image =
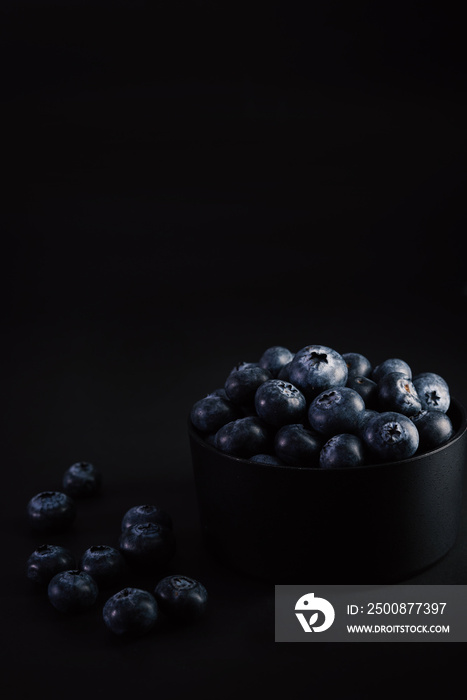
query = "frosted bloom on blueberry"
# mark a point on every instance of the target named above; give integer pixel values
(275, 358)
(391, 436)
(82, 479)
(212, 412)
(72, 591)
(392, 364)
(433, 391)
(130, 612)
(278, 403)
(336, 410)
(434, 427)
(342, 450)
(357, 364)
(52, 511)
(396, 392)
(317, 367)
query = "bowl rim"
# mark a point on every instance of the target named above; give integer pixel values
(197, 436)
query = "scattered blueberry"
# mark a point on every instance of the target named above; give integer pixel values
(181, 598)
(72, 591)
(82, 479)
(297, 445)
(51, 511)
(396, 392)
(357, 364)
(244, 437)
(278, 403)
(433, 391)
(275, 358)
(241, 386)
(392, 364)
(317, 367)
(391, 436)
(147, 546)
(146, 513)
(130, 612)
(336, 410)
(104, 563)
(212, 412)
(48, 560)
(434, 428)
(342, 450)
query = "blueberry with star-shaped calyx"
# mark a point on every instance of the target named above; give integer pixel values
(278, 402)
(315, 368)
(336, 410)
(390, 436)
(433, 391)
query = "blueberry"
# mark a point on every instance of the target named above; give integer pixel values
(212, 412)
(51, 511)
(82, 479)
(275, 358)
(104, 563)
(363, 419)
(210, 438)
(366, 387)
(396, 392)
(241, 386)
(220, 392)
(244, 437)
(48, 560)
(391, 436)
(278, 403)
(130, 612)
(357, 364)
(284, 372)
(433, 391)
(336, 410)
(181, 598)
(342, 450)
(72, 591)
(392, 364)
(315, 368)
(434, 428)
(297, 445)
(146, 513)
(267, 459)
(147, 546)
(242, 365)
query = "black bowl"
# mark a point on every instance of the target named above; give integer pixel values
(377, 524)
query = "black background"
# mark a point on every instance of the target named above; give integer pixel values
(187, 184)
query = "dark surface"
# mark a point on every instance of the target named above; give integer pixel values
(185, 187)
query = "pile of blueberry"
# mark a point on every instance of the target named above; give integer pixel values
(146, 545)
(319, 408)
